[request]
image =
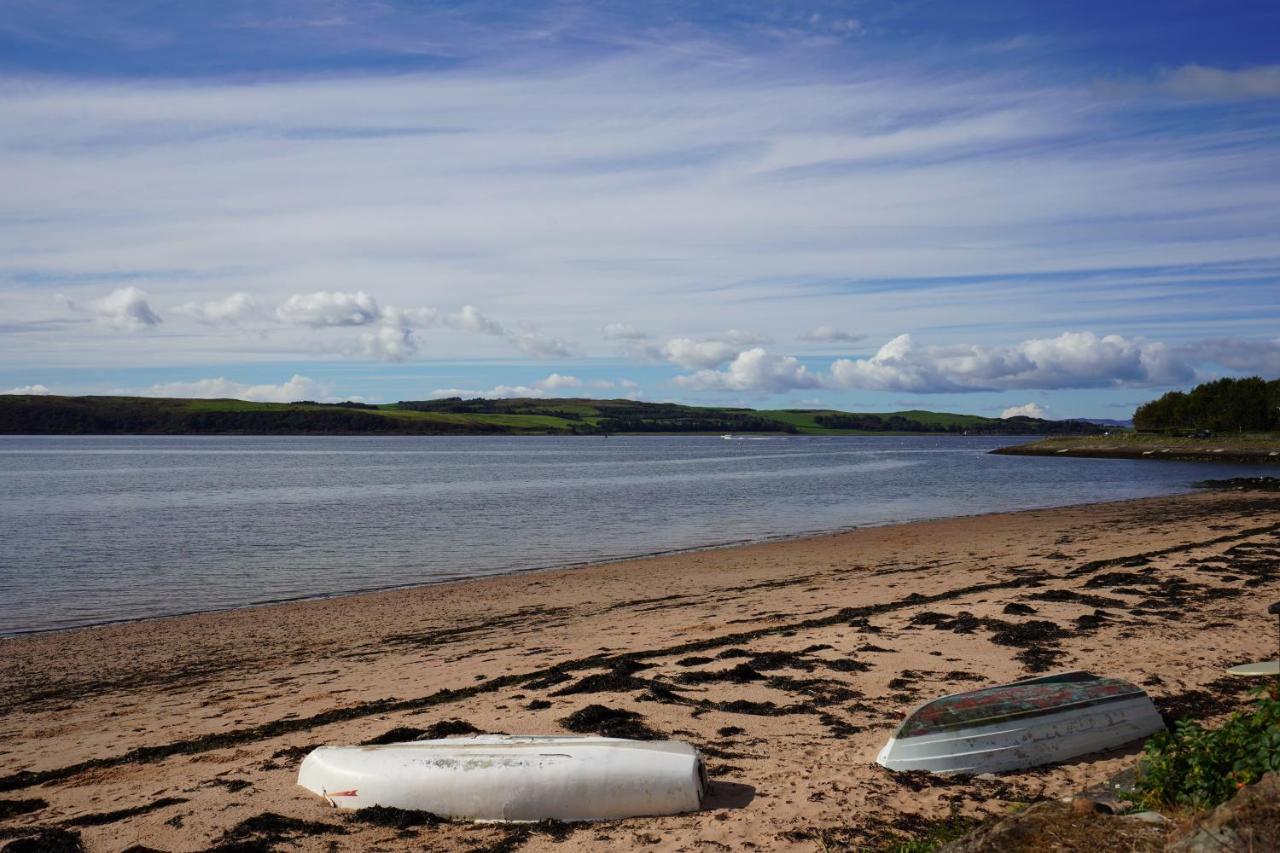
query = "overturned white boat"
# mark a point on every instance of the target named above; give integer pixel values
(1022, 724)
(512, 778)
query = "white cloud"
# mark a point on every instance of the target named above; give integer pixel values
(1247, 356)
(471, 319)
(557, 382)
(755, 371)
(531, 343)
(553, 385)
(498, 392)
(1071, 360)
(125, 308)
(228, 310)
(297, 388)
(323, 309)
(1026, 410)
(692, 354)
(623, 332)
(389, 342)
(410, 317)
(830, 334)
(743, 339)
(30, 390)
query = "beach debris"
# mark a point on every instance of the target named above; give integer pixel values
(435, 731)
(609, 722)
(267, 830)
(46, 839)
(512, 778)
(1022, 724)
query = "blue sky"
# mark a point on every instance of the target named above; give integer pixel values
(1065, 208)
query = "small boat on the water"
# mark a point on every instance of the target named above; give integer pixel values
(1022, 724)
(512, 778)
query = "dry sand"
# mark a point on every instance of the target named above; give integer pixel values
(171, 733)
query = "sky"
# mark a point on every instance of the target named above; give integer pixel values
(1053, 208)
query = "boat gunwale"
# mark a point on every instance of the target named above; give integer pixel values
(935, 728)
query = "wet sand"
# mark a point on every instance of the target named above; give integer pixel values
(787, 663)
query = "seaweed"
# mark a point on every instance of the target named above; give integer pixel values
(609, 722)
(1122, 579)
(46, 839)
(102, 818)
(394, 818)
(730, 731)
(1016, 609)
(1064, 595)
(537, 705)
(740, 674)
(694, 660)
(435, 731)
(13, 808)
(268, 829)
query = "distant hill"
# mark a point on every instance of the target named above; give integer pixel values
(1114, 423)
(54, 415)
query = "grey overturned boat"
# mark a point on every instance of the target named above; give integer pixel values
(1022, 724)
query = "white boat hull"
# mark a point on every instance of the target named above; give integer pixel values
(512, 778)
(1021, 743)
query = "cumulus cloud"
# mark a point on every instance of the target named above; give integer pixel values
(323, 309)
(226, 311)
(692, 354)
(753, 370)
(471, 319)
(1026, 410)
(1246, 356)
(1071, 360)
(30, 390)
(297, 388)
(549, 386)
(531, 343)
(389, 342)
(830, 335)
(125, 308)
(557, 382)
(623, 332)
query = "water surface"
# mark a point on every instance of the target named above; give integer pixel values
(95, 529)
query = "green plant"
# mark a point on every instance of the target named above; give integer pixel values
(1198, 767)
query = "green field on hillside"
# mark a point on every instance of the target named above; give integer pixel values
(47, 415)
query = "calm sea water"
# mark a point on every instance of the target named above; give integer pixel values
(94, 529)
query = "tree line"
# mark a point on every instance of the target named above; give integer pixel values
(1225, 405)
(989, 426)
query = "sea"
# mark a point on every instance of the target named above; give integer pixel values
(102, 529)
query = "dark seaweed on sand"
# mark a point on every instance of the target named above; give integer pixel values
(47, 839)
(435, 731)
(609, 722)
(394, 818)
(13, 808)
(267, 830)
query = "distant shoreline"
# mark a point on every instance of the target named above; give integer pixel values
(1264, 450)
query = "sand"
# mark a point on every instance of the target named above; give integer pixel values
(172, 733)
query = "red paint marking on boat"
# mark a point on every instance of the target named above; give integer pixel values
(352, 793)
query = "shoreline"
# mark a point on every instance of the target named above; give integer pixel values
(557, 567)
(786, 662)
(1244, 451)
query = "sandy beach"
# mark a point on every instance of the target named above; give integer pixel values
(787, 663)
